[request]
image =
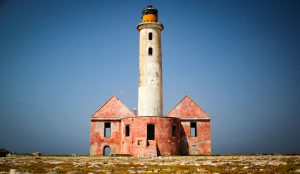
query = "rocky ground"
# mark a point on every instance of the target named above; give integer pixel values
(171, 164)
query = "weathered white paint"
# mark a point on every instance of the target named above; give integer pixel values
(150, 99)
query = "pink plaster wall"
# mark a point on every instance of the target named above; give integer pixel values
(164, 142)
(187, 108)
(189, 112)
(136, 144)
(113, 108)
(98, 141)
(198, 145)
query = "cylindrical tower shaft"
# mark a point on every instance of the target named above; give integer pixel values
(150, 97)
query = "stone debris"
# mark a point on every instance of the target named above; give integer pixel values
(12, 171)
(36, 154)
(10, 155)
(93, 166)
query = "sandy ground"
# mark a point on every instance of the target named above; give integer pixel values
(170, 164)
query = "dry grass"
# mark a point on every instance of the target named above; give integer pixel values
(170, 164)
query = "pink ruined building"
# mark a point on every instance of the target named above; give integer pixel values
(185, 130)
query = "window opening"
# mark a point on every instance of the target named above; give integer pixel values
(150, 36)
(174, 131)
(150, 51)
(107, 129)
(193, 129)
(150, 132)
(127, 131)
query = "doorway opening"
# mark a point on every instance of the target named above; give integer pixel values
(106, 151)
(150, 132)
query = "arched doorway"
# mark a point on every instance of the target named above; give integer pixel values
(106, 151)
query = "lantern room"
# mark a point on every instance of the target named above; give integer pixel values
(149, 14)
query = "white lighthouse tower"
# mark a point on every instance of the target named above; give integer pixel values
(150, 97)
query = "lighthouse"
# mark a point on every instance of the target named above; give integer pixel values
(150, 96)
(185, 130)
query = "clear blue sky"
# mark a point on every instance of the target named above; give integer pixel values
(61, 60)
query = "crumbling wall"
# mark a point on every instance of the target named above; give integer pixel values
(98, 141)
(199, 144)
(164, 143)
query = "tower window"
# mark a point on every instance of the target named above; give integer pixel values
(174, 131)
(107, 129)
(150, 36)
(193, 129)
(127, 131)
(150, 51)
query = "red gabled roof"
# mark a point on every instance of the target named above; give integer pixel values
(113, 108)
(187, 108)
